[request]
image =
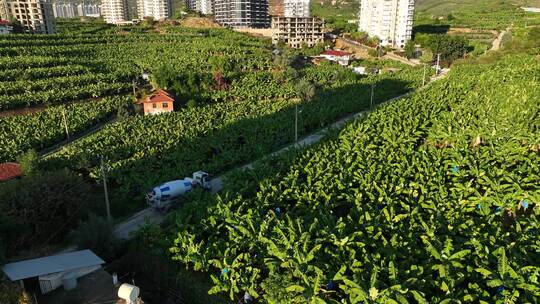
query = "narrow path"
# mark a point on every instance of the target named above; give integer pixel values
(496, 45)
(51, 150)
(151, 216)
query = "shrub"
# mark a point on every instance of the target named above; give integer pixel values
(41, 208)
(97, 235)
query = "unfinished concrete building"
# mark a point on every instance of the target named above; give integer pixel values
(298, 31)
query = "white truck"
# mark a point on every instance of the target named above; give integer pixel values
(162, 196)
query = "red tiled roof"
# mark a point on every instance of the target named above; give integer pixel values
(160, 96)
(335, 53)
(5, 22)
(9, 171)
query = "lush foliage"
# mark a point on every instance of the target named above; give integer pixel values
(45, 128)
(449, 47)
(256, 118)
(431, 199)
(40, 208)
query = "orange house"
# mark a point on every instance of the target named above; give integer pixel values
(159, 102)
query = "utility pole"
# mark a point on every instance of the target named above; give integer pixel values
(296, 124)
(438, 63)
(424, 77)
(65, 122)
(372, 93)
(134, 90)
(104, 176)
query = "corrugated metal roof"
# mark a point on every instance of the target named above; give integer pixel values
(51, 264)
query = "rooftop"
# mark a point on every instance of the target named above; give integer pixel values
(9, 171)
(160, 96)
(51, 264)
(335, 53)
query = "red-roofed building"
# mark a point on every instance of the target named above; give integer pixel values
(340, 57)
(158, 102)
(9, 171)
(5, 27)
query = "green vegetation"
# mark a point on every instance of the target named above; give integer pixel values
(45, 128)
(476, 14)
(430, 199)
(336, 13)
(255, 117)
(39, 209)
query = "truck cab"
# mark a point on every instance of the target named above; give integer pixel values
(202, 179)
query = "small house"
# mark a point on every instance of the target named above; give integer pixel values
(341, 57)
(158, 102)
(5, 27)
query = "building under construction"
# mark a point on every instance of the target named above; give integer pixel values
(242, 13)
(298, 31)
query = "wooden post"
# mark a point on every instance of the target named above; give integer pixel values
(65, 122)
(104, 176)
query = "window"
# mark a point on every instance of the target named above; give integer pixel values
(154, 105)
(165, 104)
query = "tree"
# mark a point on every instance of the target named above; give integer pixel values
(28, 162)
(283, 60)
(40, 208)
(97, 235)
(410, 49)
(427, 56)
(305, 90)
(450, 47)
(17, 26)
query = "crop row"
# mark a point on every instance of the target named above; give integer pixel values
(431, 199)
(256, 118)
(43, 129)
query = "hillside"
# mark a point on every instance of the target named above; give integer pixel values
(483, 14)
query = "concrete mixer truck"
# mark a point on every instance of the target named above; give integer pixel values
(161, 197)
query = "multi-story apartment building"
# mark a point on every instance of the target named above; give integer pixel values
(296, 8)
(157, 9)
(64, 10)
(114, 11)
(242, 13)
(389, 20)
(5, 11)
(35, 16)
(88, 10)
(298, 31)
(205, 7)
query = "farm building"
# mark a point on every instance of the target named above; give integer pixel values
(343, 58)
(9, 171)
(5, 27)
(54, 271)
(158, 102)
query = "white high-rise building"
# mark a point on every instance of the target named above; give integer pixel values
(114, 11)
(88, 10)
(205, 7)
(35, 16)
(157, 9)
(242, 13)
(64, 10)
(297, 8)
(389, 20)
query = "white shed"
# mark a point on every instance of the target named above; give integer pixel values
(52, 271)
